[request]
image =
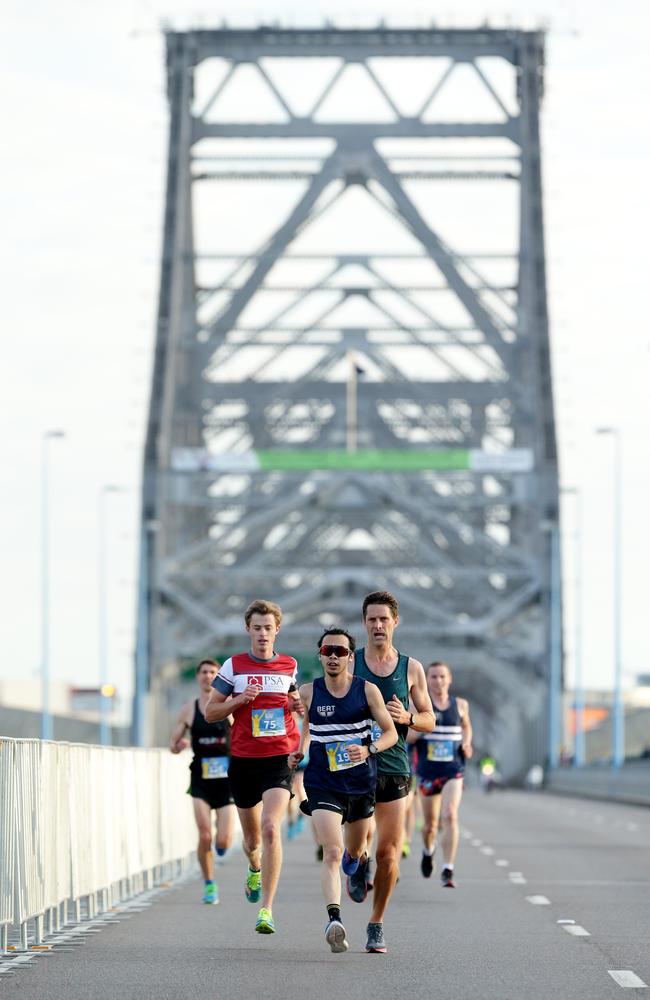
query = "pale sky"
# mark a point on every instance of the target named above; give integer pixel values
(84, 134)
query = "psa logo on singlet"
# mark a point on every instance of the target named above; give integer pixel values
(271, 683)
(326, 710)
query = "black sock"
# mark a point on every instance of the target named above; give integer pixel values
(334, 911)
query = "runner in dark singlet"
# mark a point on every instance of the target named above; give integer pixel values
(209, 785)
(440, 770)
(341, 774)
(401, 680)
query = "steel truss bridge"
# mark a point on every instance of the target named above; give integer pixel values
(351, 386)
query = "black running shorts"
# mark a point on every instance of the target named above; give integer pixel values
(391, 787)
(250, 777)
(216, 792)
(350, 807)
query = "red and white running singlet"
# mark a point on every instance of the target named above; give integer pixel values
(264, 727)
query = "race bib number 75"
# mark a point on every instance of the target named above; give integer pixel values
(268, 722)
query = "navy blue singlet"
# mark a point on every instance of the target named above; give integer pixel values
(333, 724)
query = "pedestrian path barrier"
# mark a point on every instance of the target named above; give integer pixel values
(86, 825)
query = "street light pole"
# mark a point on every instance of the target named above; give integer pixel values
(46, 716)
(618, 715)
(104, 699)
(579, 754)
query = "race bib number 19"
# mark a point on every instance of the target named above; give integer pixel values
(337, 755)
(268, 722)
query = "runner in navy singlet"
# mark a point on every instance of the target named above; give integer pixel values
(440, 769)
(209, 785)
(341, 775)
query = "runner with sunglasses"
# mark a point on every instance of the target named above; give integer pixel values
(259, 690)
(401, 680)
(341, 774)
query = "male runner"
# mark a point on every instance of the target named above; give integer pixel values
(440, 770)
(341, 774)
(258, 689)
(209, 785)
(401, 680)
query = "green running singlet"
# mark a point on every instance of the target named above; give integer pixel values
(395, 759)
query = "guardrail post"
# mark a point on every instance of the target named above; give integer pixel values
(4, 937)
(23, 936)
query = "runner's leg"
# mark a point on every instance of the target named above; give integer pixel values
(327, 825)
(450, 796)
(274, 806)
(225, 827)
(356, 836)
(203, 817)
(390, 828)
(251, 828)
(431, 815)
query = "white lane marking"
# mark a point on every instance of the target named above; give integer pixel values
(476, 843)
(625, 977)
(519, 880)
(515, 874)
(565, 920)
(501, 863)
(576, 930)
(487, 850)
(538, 900)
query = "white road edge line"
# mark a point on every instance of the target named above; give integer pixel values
(625, 977)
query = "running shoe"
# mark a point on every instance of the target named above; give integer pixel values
(210, 894)
(376, 942)
(447, 878)
(335, 936)
(356, 884)
(253, 887)
(264, 923)
(406, 849)
(427, 865)
(348, 863)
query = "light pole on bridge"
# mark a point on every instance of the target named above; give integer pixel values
(46, 716)
(618, 715)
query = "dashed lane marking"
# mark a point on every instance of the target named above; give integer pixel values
(576, 930)
(538, 900)
(487, 851)
(501, 863)
(476, 843)
(625, 977)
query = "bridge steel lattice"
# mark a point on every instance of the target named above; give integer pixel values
(352, 385)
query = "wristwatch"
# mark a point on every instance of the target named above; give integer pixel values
(411, 720)
(372, 749)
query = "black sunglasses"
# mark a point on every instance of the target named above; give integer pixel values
(335, 651)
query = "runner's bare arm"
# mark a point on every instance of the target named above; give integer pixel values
(305, 692)
(176, 741)
(424, 720)
(382, 717)
(219, 706)
(466, 725)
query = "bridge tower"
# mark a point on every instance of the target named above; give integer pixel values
(352, 386)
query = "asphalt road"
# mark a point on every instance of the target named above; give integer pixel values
(527, 862)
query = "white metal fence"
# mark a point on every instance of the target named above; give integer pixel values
(84, 822)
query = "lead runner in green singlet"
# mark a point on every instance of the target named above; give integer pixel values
(402, 682)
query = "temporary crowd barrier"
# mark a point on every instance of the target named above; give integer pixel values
(84, 822)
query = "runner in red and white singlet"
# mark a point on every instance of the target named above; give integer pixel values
(259, 690)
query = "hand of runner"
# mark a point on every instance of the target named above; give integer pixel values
(250, 693)
(295, 758)
(294, 703)
(468, 750)
(397, 711)
(358, 754)
(180, 745)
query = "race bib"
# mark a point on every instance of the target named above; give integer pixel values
(214, 767)
(337, 755)
(440, 751)
(375, 732)
(268, 722)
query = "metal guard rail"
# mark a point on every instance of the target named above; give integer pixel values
(85, 821)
